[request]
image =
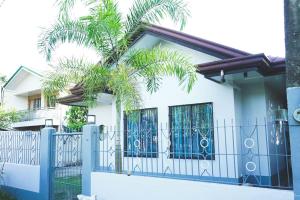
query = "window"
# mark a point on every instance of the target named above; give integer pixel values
(51, 101)
(191, 129)
(140, 133)
(36, 103)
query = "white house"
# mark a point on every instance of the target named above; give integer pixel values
(23, 92)
(230, 128)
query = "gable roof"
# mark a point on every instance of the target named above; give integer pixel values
(231, 58)
(17, 73)
(190, 41)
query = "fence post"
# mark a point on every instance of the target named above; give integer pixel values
(89, 155)
(45, 162)
(293, 95)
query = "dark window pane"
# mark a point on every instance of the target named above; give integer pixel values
(140, 135)
(192, 131)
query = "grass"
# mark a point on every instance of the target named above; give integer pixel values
(67, 188)
(5, 196)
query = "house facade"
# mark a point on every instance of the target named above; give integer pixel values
(23, 92)
(231, 127)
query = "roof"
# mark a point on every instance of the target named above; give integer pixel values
(20, 69)
(231, 58)
(262, 64)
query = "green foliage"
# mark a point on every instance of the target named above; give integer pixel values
(2, 79)
(6, 196)
(7, 117)
(105, 30)
(76, 117)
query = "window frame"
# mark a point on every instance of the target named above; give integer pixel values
(188, 155)
(125, 142)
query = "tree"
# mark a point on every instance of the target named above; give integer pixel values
(76, 117)
(7, 117)
(109, 33)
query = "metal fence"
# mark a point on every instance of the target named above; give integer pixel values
(20, 147)
(66, 166)
(253, 154)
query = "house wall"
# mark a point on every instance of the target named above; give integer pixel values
(130, 187)
(29, 83)
(170, 94)
(11, 101)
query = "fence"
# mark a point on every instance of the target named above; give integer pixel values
(20, 147)
(252, 154)
(66, 165)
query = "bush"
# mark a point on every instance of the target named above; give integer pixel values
(6, 196)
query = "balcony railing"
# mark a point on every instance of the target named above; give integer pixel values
(254, 154)
(42, 113)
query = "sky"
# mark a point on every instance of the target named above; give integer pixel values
(254, 26)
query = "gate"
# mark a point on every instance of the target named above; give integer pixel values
(66, 166)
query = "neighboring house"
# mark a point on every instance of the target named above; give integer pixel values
(230, 126)
(23, 92)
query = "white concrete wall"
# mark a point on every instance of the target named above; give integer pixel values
(11, 101)
(115, 187)
(25, 177)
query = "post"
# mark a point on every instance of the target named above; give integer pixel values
(292, 44)
(46, 158)
(294, 131)
(90, 156)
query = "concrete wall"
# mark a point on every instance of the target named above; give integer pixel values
(115, 187)
(24, 177)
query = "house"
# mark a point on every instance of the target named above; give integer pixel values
(231, 128)
(23, 92)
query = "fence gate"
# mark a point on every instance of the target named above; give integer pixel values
(66, 166)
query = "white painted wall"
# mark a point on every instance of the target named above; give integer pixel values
(115, 187)
(25, 177)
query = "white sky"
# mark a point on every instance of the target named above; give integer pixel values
(254, 26)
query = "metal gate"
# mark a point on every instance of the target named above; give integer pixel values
(66, 166)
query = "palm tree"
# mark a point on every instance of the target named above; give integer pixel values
(109, 33)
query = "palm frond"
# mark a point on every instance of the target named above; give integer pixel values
(104, 26)
(68, 72)
(154, 64)
(64, 7)
(95, 81)
(63, 31)
(124, 88)
(153, 11)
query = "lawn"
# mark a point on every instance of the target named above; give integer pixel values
(67, 188)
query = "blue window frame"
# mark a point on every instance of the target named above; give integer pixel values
(140, 133)
(192, 133)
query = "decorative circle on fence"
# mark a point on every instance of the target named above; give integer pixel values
(249, 143)
(250, 166)
(204, 143)
(137, 144)
(204, 164)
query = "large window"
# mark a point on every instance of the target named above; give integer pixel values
(140, 133)
(191, 129)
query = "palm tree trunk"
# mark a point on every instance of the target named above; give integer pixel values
(292, 44)
(118, 150)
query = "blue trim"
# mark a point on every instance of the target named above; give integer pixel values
(293, 97)
(45, 162)
(20, 194)
(89, 145)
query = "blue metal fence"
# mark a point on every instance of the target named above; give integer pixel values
(66, 165)
(250, 154)
(20, 147)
